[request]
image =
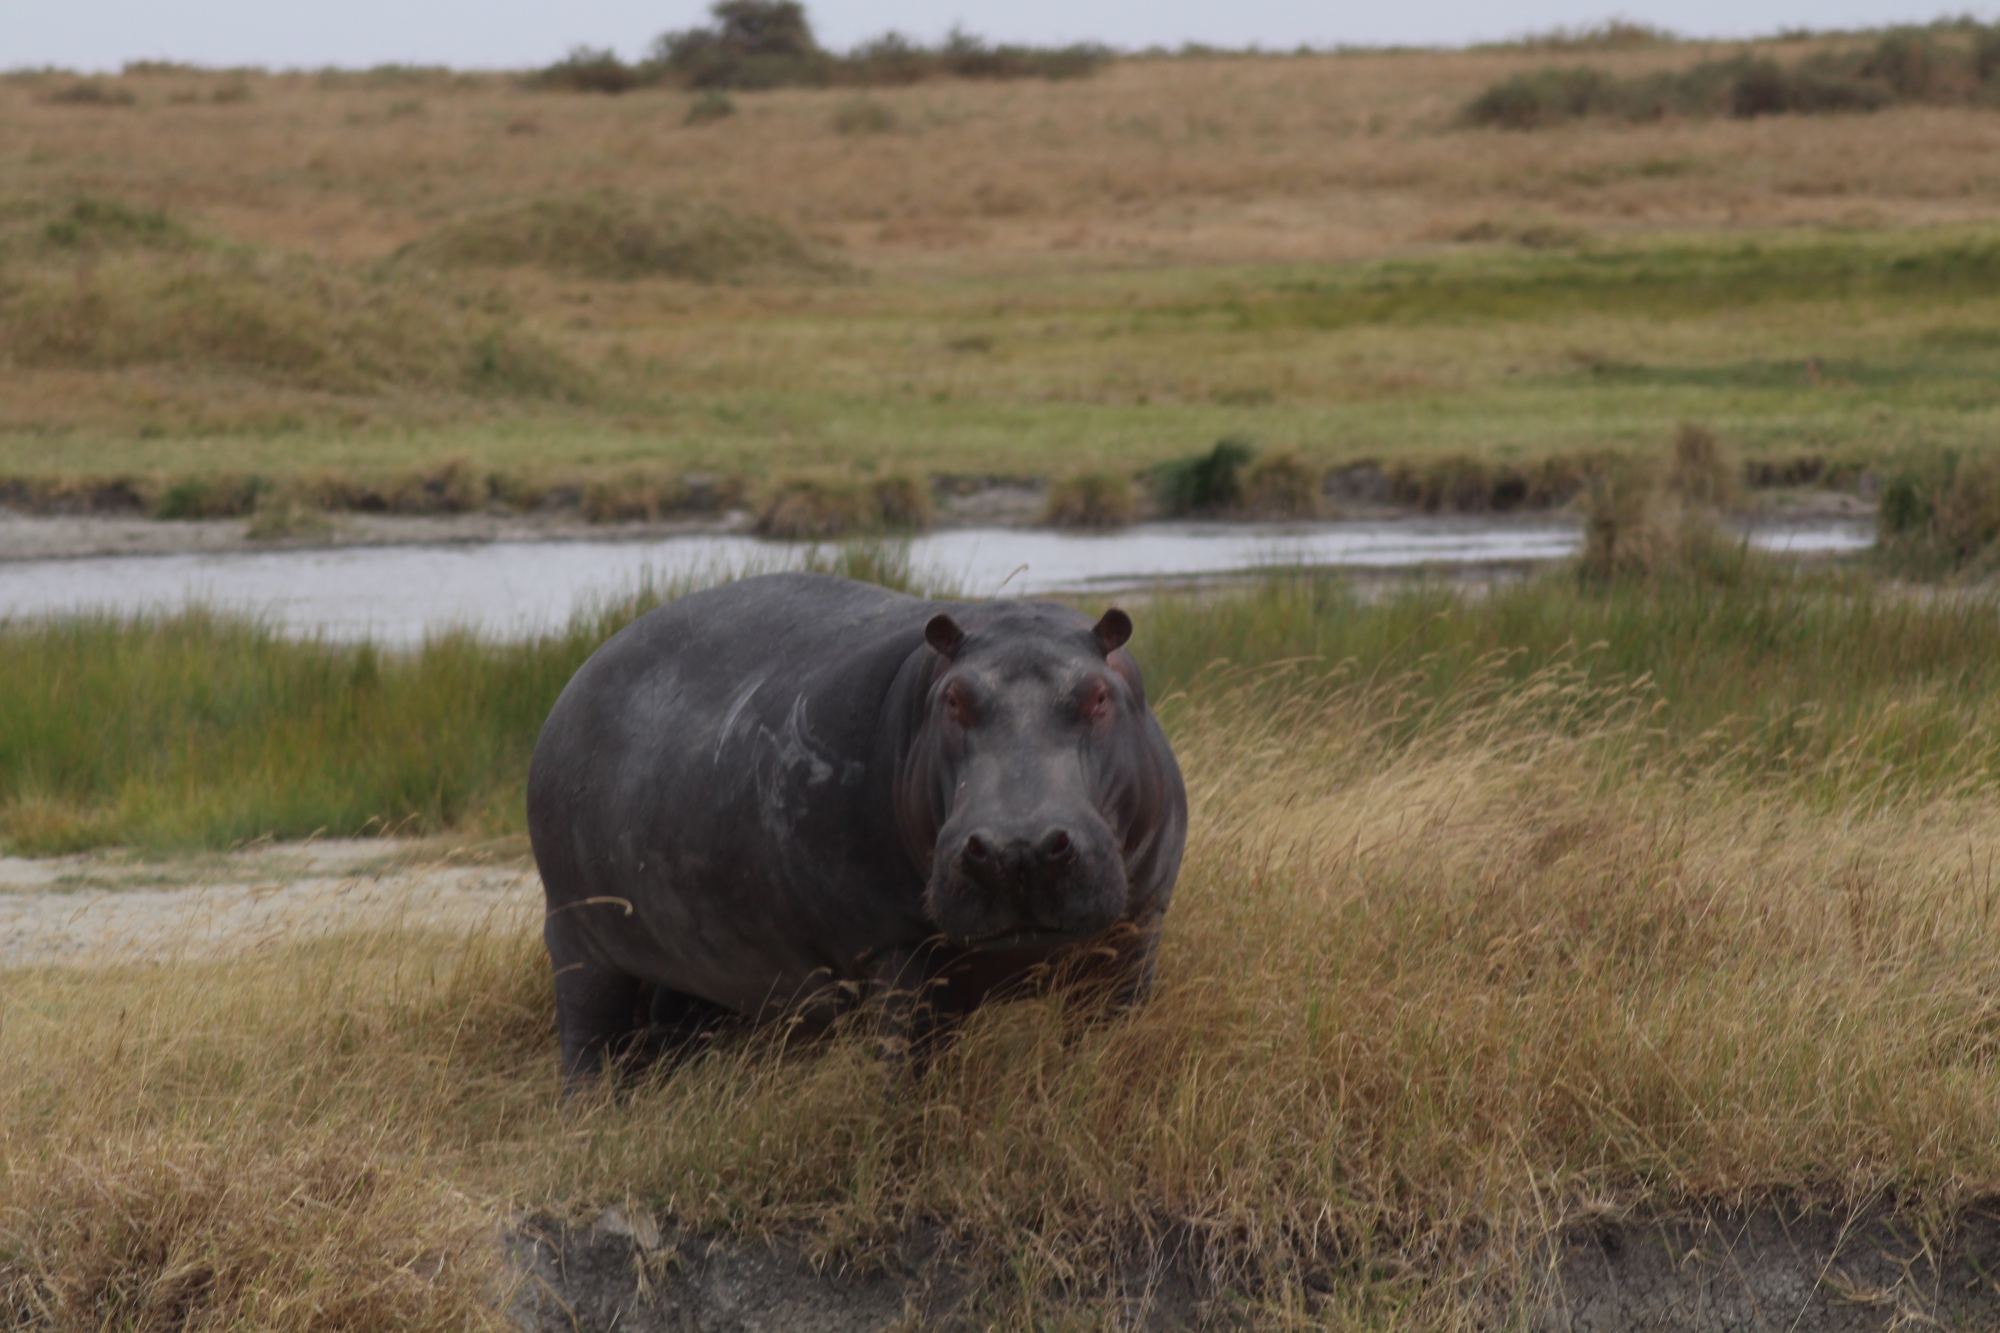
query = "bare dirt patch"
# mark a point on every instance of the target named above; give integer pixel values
(108, 908)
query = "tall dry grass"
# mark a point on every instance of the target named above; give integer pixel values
(1448, 970)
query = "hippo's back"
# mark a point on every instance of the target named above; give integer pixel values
(716, 765)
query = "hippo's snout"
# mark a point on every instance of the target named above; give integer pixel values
(987, 856)
(1057, 880)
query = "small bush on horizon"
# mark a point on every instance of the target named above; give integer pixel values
(1905, 65)
(92, 92)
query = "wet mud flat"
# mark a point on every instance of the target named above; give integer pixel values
(1767, 1270)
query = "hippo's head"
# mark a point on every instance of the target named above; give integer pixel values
(1029, 785)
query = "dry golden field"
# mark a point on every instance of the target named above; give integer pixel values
(1018, 278)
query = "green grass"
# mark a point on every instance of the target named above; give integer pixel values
(203, 731)
(1852, 346)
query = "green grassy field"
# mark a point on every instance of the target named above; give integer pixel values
(1843, 347)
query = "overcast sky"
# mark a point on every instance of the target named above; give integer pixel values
(481, 34)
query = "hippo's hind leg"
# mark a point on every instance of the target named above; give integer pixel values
(597, 1012)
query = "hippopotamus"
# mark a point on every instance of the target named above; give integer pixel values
(793, 794)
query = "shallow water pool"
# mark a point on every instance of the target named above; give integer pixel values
(396, 595)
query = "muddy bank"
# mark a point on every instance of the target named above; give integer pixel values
(1769, 1270)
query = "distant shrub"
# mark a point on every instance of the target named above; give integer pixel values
(864, 115)
(1209, 483)
(749, 44)
(1283, 485)
(609, 234)
(1543, 97)
(711, 106)
(1906, 65)
(92, 92)
(1091, 500)
(1611, 35)
(757, 44)
(969, 57)
(587, 70)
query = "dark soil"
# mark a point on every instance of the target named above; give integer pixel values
(1770, 1270)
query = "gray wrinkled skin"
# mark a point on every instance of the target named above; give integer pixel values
(778, 797)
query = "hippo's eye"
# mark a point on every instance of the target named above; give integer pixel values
(957, 706)
(1097, 702)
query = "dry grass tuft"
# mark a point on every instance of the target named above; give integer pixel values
(824, 507)
(1445, 974)
(165, 1231)
(1703, 470)
(610, 234)
(1282, 484)
(1091, 500)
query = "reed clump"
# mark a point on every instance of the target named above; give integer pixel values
(1939, 516)
(1282, 484)
(1094, 500)
(827, 507)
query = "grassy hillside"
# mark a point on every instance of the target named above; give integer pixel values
(966, 278)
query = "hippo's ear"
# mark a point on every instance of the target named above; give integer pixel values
(1111, 631)
(943, 634)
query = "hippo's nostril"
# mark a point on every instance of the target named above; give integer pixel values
(1056, 846)
(978, 850)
